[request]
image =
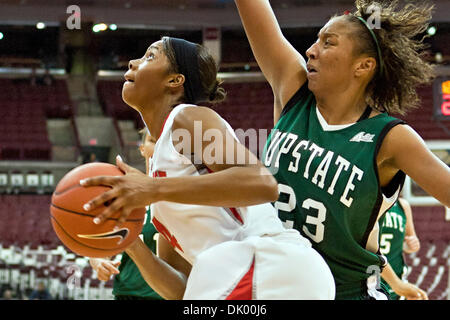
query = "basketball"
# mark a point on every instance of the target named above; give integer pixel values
(75, 227)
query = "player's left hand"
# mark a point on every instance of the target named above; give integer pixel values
(413, 244)
(128, 192)
(410, 291)
(105, 268)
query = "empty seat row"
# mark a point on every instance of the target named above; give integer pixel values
(428, 268)
(422, 119)
(110, 97)
(24, 109)
(65, 276)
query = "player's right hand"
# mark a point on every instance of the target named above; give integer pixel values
(133, 190)
(105, 268)
(413, 243)
(410, 291)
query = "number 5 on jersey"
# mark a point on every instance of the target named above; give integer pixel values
(385, 243)
(308, 204)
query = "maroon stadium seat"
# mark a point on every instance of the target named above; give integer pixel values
(23, 112)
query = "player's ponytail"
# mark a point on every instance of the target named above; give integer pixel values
(217, 93)
(199, 68)
(208, 74)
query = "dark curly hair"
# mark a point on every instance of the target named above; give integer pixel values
(394, 90)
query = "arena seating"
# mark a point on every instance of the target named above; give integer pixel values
(24, 109)
(248, 105)
(110, 97)
(30, 251)
(232, 59)
(421, 119)
(429, 267)
(26, 221)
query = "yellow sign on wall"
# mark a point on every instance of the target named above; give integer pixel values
(446, 87)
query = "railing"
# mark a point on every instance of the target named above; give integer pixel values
(32, 176)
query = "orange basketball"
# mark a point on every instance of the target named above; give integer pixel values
(75, 227)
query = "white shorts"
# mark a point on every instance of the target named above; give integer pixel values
(275, 267)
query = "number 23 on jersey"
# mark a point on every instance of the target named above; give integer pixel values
(316, 216)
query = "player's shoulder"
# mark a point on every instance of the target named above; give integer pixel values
(192, 112)
(190, 116)
(401, 137)
(398, 142)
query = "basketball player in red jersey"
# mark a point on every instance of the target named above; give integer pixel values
(222, 237)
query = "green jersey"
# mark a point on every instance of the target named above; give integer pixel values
(329, 189)
(392, 235)
(129, 281)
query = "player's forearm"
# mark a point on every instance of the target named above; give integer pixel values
(258, 20)
(233, 187)
(260, 24)
(159, 275)
(390, 277)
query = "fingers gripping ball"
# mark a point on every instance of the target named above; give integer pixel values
(75, 227)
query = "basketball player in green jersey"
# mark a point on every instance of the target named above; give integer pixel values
(339, 158)
(128, 281)
(397, 235)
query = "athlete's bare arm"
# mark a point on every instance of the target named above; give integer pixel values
(166, 274)
(277, 109)
(282, 65)
(403, 149)
(404, 289)
(411, 243)
(237, 181)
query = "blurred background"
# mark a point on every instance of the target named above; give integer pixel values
(61, 75)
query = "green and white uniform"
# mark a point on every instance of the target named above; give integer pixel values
(129, 284)
(329, 189)
(392, 235)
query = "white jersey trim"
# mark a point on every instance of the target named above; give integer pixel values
(330, 127)
(372, 242)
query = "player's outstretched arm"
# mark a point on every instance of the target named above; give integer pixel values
(427, 170)
(403, 289)
(282, 65)
(166, 274)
